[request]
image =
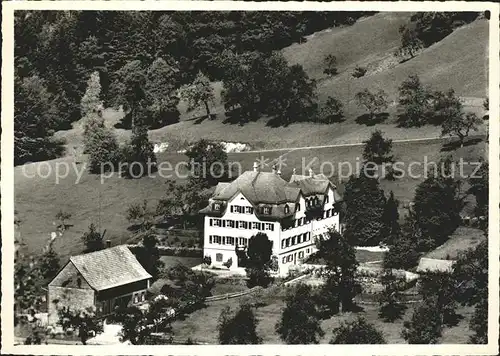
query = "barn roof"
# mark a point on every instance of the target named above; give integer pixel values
(111, 267)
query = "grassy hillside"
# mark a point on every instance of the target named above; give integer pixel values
(459, 61)
(38, 200)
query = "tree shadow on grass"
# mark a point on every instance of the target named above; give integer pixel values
(236, 117)
(365, 119)
(455, 144)
(199, 120)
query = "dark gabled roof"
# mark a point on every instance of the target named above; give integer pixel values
(269, 189)
(316, 184)
(258, 188)
(108, 268)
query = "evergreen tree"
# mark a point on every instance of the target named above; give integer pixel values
(439, 289)
(259, 258)
(424, 327)
(479, 188)
(148, 254)
(238, 328)
(340, 286)
(162, 79)
(299, 322)
(92, 240)
(403, 250)
(358, 331)
(377, 149)
(391, 306)
(101, 145)
(479, 323)
(49, 264)
(35, 119)
(139, 153)
(91, 103)
(437, 205)
(390, 219)
(365, 203)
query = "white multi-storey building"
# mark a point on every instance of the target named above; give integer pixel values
(292, 214)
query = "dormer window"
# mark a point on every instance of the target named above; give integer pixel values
(287, 209)
(267, 210)
(216, 206)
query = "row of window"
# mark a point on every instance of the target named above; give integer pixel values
(251, 225)
(241, 209)
(290, 257)
(295, 240)
(227, 240)
(303, 221)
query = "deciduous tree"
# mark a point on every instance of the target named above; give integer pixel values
(299, 322)
(200, 92)
(410, 43)
(332, 111)
(330, 65)
(85, 321)
(238, 327)
(208, 163)
(460, 125)
(415, 105)
(373, 102)
(358, 331)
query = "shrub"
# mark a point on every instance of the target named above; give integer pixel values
(358, 331)
(359, 72)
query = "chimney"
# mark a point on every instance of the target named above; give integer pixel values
(311, 173)
(294, 170)
(279, 172)
(255, 167)
(108, 243)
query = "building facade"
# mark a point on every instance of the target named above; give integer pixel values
(101, 280)
(291, 213)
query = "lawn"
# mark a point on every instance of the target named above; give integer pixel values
(171, 261)
(201, 326)
(463, 239)
(37, 200)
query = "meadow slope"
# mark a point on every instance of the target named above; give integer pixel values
(459, 61)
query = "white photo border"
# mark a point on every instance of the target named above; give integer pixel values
(7, 179)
